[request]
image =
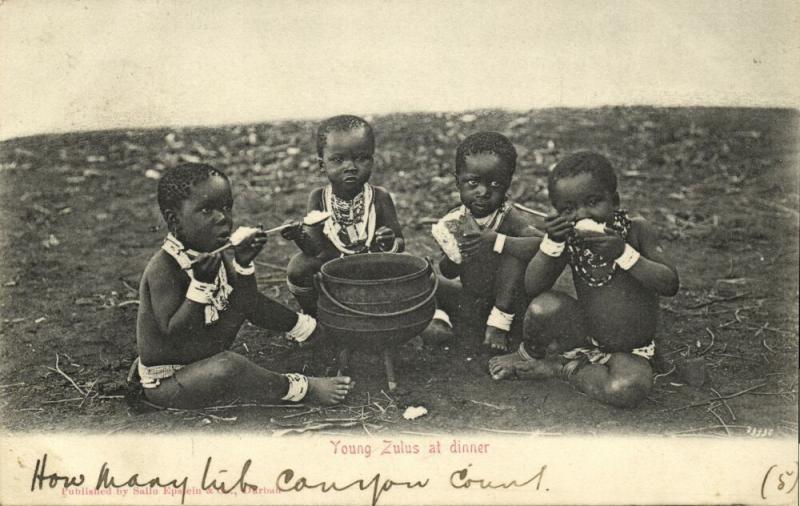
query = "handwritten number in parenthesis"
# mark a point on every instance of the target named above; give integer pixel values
(782, 484)
(783, 479)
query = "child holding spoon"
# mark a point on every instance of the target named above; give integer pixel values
(243, 233)
(362, 216)
(193, 303)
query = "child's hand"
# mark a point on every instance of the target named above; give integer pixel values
(474, 246)
(608, 246)
(294, 232)
(206, 268)
(558, 227)
(385, 237)
(248, 249)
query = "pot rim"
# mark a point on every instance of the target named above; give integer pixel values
(424, 271)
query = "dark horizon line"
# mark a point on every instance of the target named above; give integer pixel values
(483, 110)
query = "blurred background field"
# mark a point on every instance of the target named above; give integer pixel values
(80, 221)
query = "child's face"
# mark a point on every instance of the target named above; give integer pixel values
(347, 159)
(203, 221)
(584, 196)
(482, 183)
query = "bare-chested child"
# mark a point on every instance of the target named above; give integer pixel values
(362, 216)
(192, 305)
(487, 242)
(602, 343)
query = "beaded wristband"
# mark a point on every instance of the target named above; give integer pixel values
(628, 258)
(499, 243)
(200, 292)
(248, 270)
(551, 248)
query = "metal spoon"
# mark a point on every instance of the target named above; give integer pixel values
(530, 211)
(319, 219)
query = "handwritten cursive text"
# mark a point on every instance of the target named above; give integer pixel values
(461, 479)
(107, 480)
(53, 480)
(287, 482)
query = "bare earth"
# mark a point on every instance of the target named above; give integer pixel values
(79, 222)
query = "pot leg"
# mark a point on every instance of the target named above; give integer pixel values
(388, 361)
(344, 362)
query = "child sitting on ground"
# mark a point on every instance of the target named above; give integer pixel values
(362, 216)
(192, 304)
(487, 243)
(605, 337)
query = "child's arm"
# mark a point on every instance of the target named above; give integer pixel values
(174, 313)
(297, 233)
(546, 265)
(521, 239)
(388, 226)
(264, 312)
(542, 273)
(259, 310)
(652, 269)
(522, 248)
(316, 238)
(268, 314)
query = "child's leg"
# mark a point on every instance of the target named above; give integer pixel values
(448, 294)
(440, 329)
(624, 381)
(228, 376)
(507, 287)
(300, 274)
(552, 319)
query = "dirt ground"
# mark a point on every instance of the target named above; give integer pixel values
(79, 222)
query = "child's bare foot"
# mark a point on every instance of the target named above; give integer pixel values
(504, 366)
(536, 369)
(495, 340)
(514, 365)
(329, 391)
(437, 332)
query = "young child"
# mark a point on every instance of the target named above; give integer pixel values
(191, 306)
(605, 337)
(487, 243)
(362, 216)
